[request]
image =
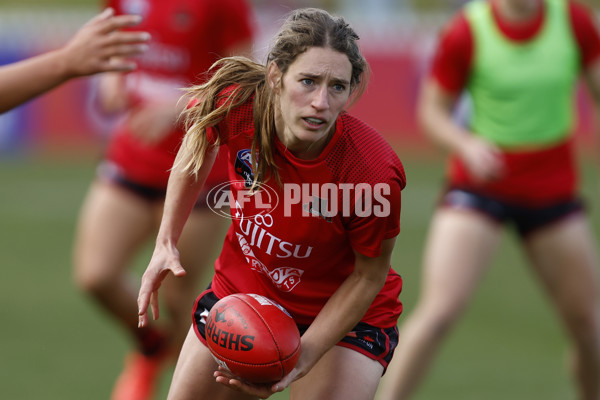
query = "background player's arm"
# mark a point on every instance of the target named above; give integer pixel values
(90, 51)
(434, 112)
(592, 78)
(112, 93)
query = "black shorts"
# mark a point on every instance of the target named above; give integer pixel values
(526, 219)
(376, 343)
(112, 173)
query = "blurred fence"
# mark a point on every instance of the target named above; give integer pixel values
(397, 45)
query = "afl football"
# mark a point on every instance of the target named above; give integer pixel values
(253, 337)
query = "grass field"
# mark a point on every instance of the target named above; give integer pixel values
(55, 344)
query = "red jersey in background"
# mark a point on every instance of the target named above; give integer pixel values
(188, 36)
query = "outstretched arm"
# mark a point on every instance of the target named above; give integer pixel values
(98, 46)
(182, 192)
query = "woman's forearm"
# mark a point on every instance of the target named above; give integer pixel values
(349, 303)
(435, 117)
(182, 193)
(98, 46)
(24, 80)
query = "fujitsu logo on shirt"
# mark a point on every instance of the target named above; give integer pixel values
(255, 229)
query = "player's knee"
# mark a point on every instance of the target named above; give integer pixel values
(94, 282)
(437, 320)
(585, 327)
(443, 323)
(587, 335)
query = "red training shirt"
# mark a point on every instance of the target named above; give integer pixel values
(188, 36)
(452, 60)
(536, 176)
(295, 243)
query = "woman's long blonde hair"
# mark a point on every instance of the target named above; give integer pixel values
(302, 29)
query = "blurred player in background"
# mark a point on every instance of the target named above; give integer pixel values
(124, 204)
(96, 47)
(520, 61)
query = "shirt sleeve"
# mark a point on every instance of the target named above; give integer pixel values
(367, 232)
(585, 32)
(452, 59)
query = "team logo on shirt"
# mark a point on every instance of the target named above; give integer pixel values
(243, 166)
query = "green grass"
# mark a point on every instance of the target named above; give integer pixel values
(55, 344)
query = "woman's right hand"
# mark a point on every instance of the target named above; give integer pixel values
(482, 158)
(308, 359)
(165, 259)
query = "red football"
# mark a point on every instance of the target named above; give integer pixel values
(253, 337)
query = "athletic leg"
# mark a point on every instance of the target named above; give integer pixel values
(564, 256)
(112, 226)
(193, 378)
(457, 253)
(341, 374)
